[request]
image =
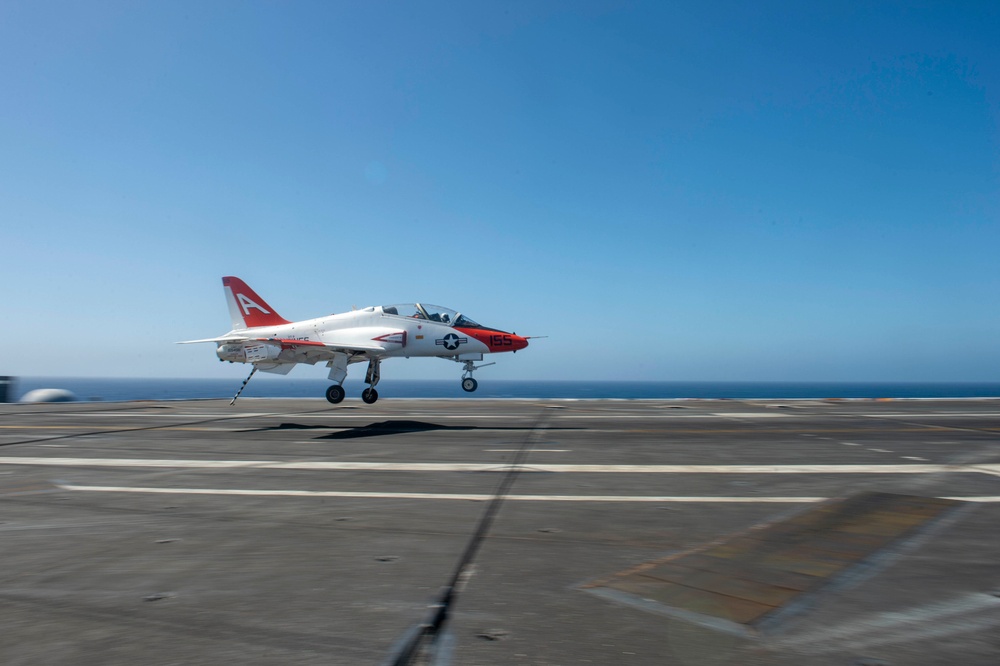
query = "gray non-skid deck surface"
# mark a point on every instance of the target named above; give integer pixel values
(195, 532)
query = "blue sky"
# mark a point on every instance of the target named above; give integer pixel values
(670, 191)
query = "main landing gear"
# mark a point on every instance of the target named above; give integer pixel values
(335, 394)
(370, 395)
(468, 383)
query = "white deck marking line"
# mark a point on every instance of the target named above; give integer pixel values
(432, 496)
(464, 496)
(532, 450)
(899, 468)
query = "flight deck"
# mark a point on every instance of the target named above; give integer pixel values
(688, 532)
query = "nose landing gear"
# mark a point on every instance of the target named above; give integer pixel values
(468, 383)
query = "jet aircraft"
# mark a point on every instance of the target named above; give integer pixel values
(263, 338)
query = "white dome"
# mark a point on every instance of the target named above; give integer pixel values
(48, 395)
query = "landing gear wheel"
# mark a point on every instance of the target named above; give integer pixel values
(469, 384)
(335, 393)
(369, 395)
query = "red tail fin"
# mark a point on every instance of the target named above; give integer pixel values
(247, 309)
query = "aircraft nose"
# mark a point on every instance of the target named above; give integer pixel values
(496, 340)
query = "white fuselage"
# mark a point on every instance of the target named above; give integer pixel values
(381, 334)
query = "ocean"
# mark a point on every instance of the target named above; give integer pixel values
(120, 389)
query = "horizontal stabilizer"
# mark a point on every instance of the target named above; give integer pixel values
(292, 344)
(225, 338)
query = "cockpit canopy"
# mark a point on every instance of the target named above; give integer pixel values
(431, 313)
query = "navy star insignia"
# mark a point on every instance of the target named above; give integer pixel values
(451, 341)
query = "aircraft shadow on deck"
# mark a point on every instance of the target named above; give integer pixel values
(398, 427)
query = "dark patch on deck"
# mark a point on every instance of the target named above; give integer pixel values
(744, 582)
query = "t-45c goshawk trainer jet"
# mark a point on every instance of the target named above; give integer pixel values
(260, 336)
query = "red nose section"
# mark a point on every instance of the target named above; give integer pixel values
(497, 341)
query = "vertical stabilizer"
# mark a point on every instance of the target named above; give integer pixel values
(247, 309)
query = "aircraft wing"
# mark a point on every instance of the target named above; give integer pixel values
(306, 345)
